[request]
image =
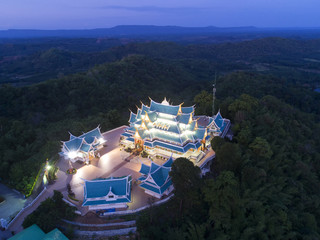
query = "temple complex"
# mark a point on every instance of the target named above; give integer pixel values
(165, 130)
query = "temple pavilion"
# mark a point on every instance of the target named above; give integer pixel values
(162, 129)
(84, 147)
(155, 179)
(107, 193)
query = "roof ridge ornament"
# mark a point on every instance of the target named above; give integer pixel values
(165, 102)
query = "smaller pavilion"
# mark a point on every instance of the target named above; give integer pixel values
(84, 147)
(34, 232)
(107, 193)
(155, 179)
(218, 125)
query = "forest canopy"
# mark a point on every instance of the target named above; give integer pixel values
(264, 182)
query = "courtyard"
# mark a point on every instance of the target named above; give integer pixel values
(111, 163)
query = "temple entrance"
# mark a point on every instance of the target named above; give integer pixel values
(138, 145)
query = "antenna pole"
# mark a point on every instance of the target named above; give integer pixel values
(214, 93)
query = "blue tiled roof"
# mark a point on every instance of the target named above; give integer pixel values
(168, 146)
(152, 116)
(210, 120)
(168, 163)
(126, 134)
(218, 120)
(151, 183)
(100, 188)
(184, 138)
(144, 134)
(32, 232)
(183, 118)
(148, 144)
(138, 122)
(132, 117)
(138, 114)
(157, 189)
(74, 144)
(199, 134)
(131, 129)
(144, 109)
(160, 175)
(165, 186)
(85, 147)
(35, 233)
(145, 169)
(154, 167)
(162, 135)
(198, 144)
(174, 128)
(91, 135)
(151, 188)
(72, 136)
(168, 109)
(192, 125)
(190, 146)
(142, 178)
(130, 139)
(187, 109)
(55, 234)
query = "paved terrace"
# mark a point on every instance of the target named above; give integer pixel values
(111, 163)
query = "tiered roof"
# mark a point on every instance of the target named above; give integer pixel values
(84, 143)
(155, 178)
(218, 124)
(107, 191)
(34, 232)
(164, 125)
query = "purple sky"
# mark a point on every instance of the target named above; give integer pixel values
(84, 14)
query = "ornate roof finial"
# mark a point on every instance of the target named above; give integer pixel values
(165, 102)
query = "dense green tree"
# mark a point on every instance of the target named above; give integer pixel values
(228, 157)
(223, 197)
(217, 143)
(187, 182)
(261, 148)
(203, 103)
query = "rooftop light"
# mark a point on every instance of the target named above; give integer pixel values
(101, 140)
(72, 155)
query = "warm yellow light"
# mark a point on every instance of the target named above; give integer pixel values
(48, 167)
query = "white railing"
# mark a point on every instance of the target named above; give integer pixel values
(138, 209)
(25, 208)
(68, 202)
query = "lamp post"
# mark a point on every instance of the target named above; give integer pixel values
(46, 170)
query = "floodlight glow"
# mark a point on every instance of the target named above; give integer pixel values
(72, 155)
(48, 167)
(101, 140)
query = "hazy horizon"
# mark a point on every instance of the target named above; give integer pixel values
(81, 14)
(66, 29)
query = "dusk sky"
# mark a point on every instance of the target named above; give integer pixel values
(87, 14)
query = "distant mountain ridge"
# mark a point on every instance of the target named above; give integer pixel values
(138, 31)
